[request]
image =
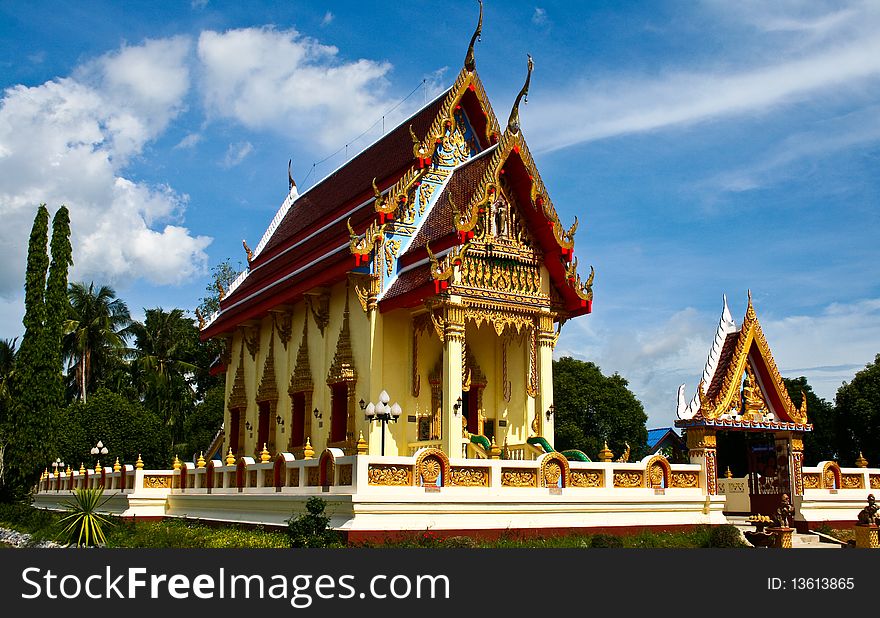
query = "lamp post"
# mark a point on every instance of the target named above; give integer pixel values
(383, 413)
(98, 450)
(57, 466)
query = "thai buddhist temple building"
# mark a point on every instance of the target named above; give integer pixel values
(434, 267)
(741, 391)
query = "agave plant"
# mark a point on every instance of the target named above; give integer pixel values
(84, 523)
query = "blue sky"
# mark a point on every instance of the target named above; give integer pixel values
(706, 148)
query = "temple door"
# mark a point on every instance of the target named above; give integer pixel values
(769, 474)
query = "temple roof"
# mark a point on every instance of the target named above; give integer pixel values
(361, 209)
(741, 386)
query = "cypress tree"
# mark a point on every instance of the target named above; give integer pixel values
(24, 430)
(57, 303)
(38, 388)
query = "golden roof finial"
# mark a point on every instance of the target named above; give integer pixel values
(200, 318)
(98, 466)
(117, 466)
(861, 462)
(230, 458)
(470, 61)
(68, 471)
(513, 121)
(605, 454)
(361, 445)
(308, 451)
(220, 290)
(58, 471)
(139, 464)
(264, 454)
(247, 250)
(728, 474)
(176, 463)
(290, 182)
(201, 462)
(82, 468)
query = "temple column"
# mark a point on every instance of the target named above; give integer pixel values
(796, 449)
(702, 449)
(546, 339)
(453, 340)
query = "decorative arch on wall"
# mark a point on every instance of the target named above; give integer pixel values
(555, 471)
(341, 378)
(831, 477)
(267, 400)
(432, 467)
(279, 470)
(658, 472)
(327, 466)
(241, 472)
(300, 391)
(209, 475)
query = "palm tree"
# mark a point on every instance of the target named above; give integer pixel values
(95, 333)
(164, 348)
(7, 368)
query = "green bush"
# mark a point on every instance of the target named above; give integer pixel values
(606, 540)
(313, 528)
(726, 535)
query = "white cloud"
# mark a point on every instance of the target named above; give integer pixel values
(328, 18)
(265, 78)
(68, 141)
(779, 74)
(539, 17)
(189, 141)
(236, 153)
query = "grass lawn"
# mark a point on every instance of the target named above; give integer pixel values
(43, 525)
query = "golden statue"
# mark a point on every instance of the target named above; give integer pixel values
(752, 398)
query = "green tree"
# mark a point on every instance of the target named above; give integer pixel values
(31, 392)
(592, 408)
(95, 336)
(164, 347)
(823, 442)
(223, 274)
(858, 416)
(124, 426)
(202, 424)
(57, 305)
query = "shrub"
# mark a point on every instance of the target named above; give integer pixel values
(726, 535)
(84, 523)
(460, 541)
(313, 528)
(606, 540)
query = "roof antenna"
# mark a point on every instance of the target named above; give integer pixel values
(513, 121)
(470, 61)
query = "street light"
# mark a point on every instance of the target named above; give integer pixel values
(383, 413)
(57, 466)
(98, 450)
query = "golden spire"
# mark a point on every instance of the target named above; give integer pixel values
(68, 471)
(361, 445)
(264, 454)
(201, 462)
(139, 464)
(728, 474)
(494, 450)
(230, 458)
(861, 462)
(82, 468)
(513, 121)
(116, 466)
(98, 467)
(58, 471)
(308, 451)
(605, 454)
(470, 61)
(176, 463)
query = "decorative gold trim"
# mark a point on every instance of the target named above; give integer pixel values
(658, 472)
(345, 474)
(157, 482)
(553, 466)
(587, 478)
(518, 477)
(468, 476)
(513, 120)
(811, 481)
(238, 394)
(684, 479)
(343, 369)
(628, 479)
(387, 474)
(431, 464)
(874, 480)
(318, 304)
(852, 481)
(301, 379)
(268, 390)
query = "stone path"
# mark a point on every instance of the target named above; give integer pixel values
(14, 538)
